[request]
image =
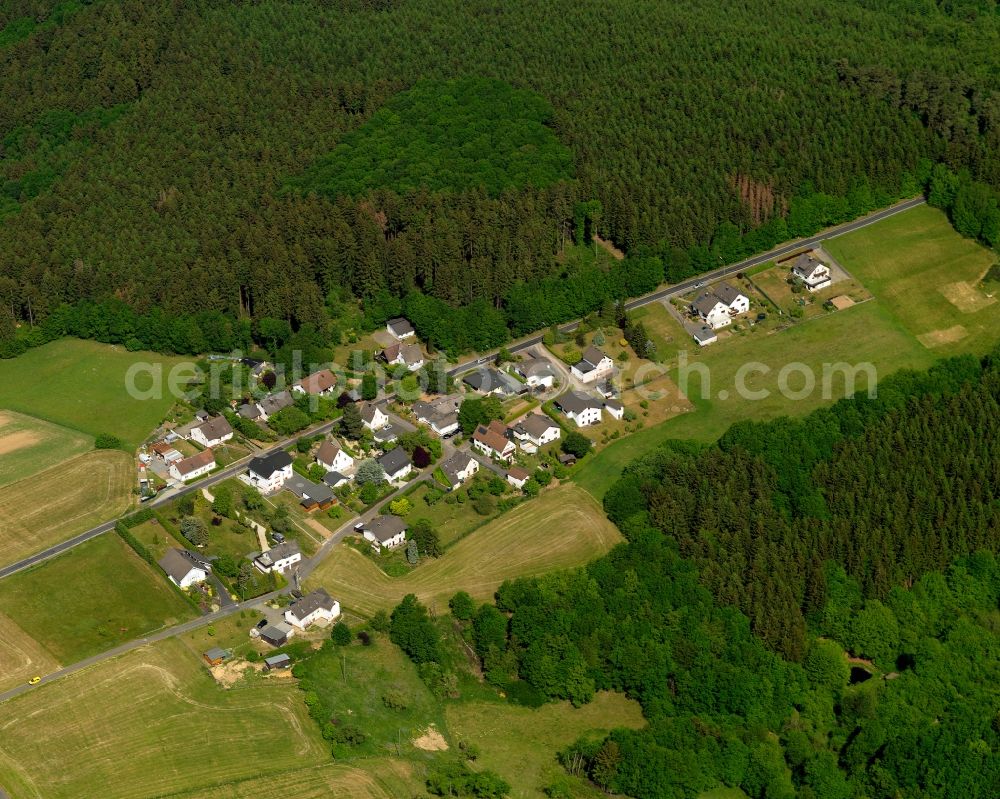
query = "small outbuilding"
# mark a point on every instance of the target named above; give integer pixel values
(276, 662)
(215, 656)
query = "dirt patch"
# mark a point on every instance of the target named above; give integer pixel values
(615, 253)
(319, 528)
(938, 338)
(229, 673)
(431, 741)
(23, 439)
(966, 297)
(5, 419)
(841, 302)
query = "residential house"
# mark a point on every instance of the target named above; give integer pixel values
(373, 417)
(704, 336)
(537, 430)
(399, 354)
(194, 467)
(459, 468)
(493, 441)
(813, 273)
(212, 432)
(317, 607)
(537, 372)
(165, 452)
(400, 328)
(184, 568)
(332, 457)
(312, 496)
(279, 558)
(441, 415)
(268, 473)
(396, 464)
(277, 662)
(487, 380)
(386, 532)
(318, 384)
(517, 476)
(594, 365)
(386, 435)
(614, 408)
(736, 302)
(717, 307)
(583, 409)
(250, 411)
(277, 634)
(335, 479)
(273, 403)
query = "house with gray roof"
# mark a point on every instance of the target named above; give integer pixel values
(386, 532)
(396, 464)
(317, 607)
(184, 568)
(459, 468)
(593, 365)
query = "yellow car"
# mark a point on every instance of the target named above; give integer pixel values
(34, 681)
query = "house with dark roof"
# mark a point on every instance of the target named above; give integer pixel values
(318, 384)
(584, 409)
(537, 430)
(594, 365)
(386, 532)
(317, 607)
(277, 634)
(273, 403)
(386, 435)
(279, 558)
(813, 273)
(399, 354)
(396, 464)
(332, 457)
(250, 411)
(487, 380)
(537, 372)
(268, 473)
(459, 468)
(704, 335)
(184, 568)
(312, 496)
(212, 432)
(373, 417)
(276, 662)
(193, 467)
(400, 328)
(335, 479)
(441, 415)
(492, 441)
(717, 306)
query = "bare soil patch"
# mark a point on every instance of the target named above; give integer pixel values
(12, 442)
(231, 672)
(937, 338)
(841, 302)
(966, 297)
(431, 741)
(615, 253)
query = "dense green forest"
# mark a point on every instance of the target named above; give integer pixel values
(809, 608)
(147, 150)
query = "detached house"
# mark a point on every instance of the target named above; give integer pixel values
(319, 384)
(593, 366)
(536, 430)
(441, 414)
(373, 417)
(386, 532)
(493, 442)
(812, 272)
(279, 558)
(268, 473)
(583, 409)
(317, 607)
(184, 568)
(490, 381)
(399, 328)
(396, 464)
(273, 403)
(193, 467)
(711, 310)
(735, 301)
(212, 432)
(332, 457)
(399, 354)
(537, 372)
(517, 477)
(459, 468)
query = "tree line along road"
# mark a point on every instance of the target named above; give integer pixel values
(518, 346)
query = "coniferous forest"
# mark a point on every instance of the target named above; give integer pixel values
(200, 157)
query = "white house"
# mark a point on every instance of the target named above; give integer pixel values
(517, 476)
(396, 464)
(193, 467)
(399, 328)
(459, 468)
(493, 441)
(279, 558)
(812, 272)
(268, 473)
(320, 384)
(583, 409)
(704, 335)
(441, 415)
(212, 432)
(537, 429)
(184, 568)
(399, 354)
(594, 365)
(317, 607)
(712, 311)
(385, 531)
(614, 408)
(373, 417)
(735, 301)
(332, 457)
(536, 372)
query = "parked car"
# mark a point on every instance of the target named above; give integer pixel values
(34, 680)
(262, 624)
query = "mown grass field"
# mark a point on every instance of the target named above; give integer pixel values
(927, 275)
(452, 520)
(29, 445)
(154, 723)
(561, 528)
(90, 599)
(63, 500)
(520, 744)
(21, 656)
(81, 385)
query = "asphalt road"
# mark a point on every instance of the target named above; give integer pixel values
(518, 346)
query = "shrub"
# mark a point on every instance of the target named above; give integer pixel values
(108, 441)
